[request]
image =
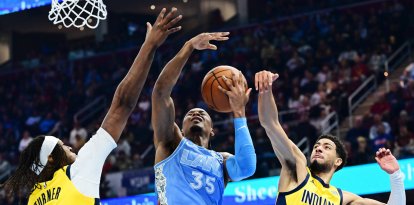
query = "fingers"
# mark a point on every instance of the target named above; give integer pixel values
(275, 77)
(383, 152)
(218, 36)
(160, 16)
(270, 79)
(240, 79)
(149, 26)
(223, 90)
(261, 80)
(256, 81)
(266, 81)
(173, 30)
(173, 22)
(248, 93)
(235, 78)
(211, 46)
(228, 83)
(169, 17)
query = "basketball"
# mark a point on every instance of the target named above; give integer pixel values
(210, 92)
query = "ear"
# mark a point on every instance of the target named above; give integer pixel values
(49, 159)
(212, 132)
(338, 162)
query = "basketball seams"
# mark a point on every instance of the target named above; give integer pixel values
(211, 77)
(214, 98)
(218, 81)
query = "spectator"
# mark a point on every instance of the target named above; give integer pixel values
(47, 124)
(295, 62)
(77, 134)
(124, 147)
(137, 161)
(404, 143)
(373, 131)
(357, 131)
(377, 60)
(80, 141)
(382, 139)
(408, 73)
(395, 98)
(122, 161)
(382, 106)
(5, 168)
(197, 64)
(363, 154)
(24, 142)
(348, 55)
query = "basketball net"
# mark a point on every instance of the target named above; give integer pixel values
(77, 13)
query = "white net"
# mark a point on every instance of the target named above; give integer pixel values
(77, 13)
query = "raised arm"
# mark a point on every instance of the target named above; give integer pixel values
(163, 113)
(389, 164)
(243, 163)
(128, 91)
(292, 159)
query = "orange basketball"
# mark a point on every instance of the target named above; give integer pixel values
(210, 92)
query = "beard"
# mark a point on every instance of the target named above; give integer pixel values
(317, 167)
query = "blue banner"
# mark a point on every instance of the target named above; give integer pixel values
(263, 191)
(9, 6)
(138, 181)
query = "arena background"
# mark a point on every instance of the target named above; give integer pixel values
(345, 68)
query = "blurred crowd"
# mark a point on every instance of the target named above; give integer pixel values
(321, 58)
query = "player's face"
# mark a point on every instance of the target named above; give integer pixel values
(68, 151)
(324, 157)
(197, 123)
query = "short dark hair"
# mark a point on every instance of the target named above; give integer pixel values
(340, 148)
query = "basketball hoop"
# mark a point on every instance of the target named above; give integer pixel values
(77, 13)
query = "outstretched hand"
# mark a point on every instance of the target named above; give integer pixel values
(163, 27)
(202, 41)
(238, 96)
(263, 80)
(387, 161)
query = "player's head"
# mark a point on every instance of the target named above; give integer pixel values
(37, 165)
(198, 127)
(328, 153)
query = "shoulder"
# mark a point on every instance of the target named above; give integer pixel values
(349, 198)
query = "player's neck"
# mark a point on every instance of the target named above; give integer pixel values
(196, 138)
(325, 176)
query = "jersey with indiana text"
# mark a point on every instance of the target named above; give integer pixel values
(312, 191)
(190, 175)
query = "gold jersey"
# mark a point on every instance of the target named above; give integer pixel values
(60, 191)
(312, 191)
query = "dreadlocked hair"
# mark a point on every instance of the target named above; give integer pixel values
(24, 179)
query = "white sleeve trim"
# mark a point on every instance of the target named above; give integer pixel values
(85, 172)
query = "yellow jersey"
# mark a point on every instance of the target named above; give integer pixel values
(60, 191)
(312, 191)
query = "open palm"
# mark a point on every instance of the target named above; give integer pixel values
(387, 161)
(202, 41)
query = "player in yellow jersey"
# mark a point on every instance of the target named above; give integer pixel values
(52, 173)
(303, 185)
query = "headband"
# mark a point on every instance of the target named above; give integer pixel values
(47, 147)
